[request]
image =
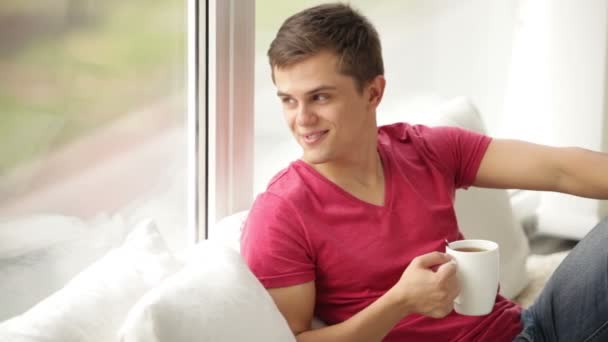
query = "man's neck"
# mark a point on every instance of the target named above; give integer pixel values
(362, 176)
(363, 170)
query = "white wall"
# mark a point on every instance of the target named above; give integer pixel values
(557, 85)
(448, 48)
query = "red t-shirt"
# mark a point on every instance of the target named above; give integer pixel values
(304, 228)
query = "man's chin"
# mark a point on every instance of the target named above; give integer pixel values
(314, 159)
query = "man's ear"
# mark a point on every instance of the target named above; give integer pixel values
(375, 90)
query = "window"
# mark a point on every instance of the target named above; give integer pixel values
(231, 81)
(94, 133)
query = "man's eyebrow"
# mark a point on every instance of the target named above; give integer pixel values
(315, 90)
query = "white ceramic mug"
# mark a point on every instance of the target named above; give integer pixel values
(478, 273)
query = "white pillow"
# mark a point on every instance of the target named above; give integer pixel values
(39, 254)
(486, 213)
(92, 306)
(228, 230)
(213, 298)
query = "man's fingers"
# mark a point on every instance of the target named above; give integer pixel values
(447, 275)
(447, 270)
(432, 259)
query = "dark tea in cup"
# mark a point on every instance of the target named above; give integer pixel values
(470, 249)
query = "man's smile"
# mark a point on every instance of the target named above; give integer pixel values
(313, 137)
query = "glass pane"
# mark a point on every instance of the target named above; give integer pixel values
(92, 134)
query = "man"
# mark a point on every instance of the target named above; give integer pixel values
(353, 231)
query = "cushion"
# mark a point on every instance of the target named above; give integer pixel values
(39, 254)
(93, 305)
(540, 268)
(213, 298)
(228, 230)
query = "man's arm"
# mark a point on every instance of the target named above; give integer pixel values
(419, 290)
(514, 164)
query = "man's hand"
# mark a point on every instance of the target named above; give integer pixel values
(427, 291)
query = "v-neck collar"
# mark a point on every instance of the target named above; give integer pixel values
(386, 169)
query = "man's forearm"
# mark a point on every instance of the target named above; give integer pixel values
(370, 324)
(584, 173)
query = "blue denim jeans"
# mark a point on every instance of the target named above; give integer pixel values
(573, 306)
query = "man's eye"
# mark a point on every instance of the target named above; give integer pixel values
(287, 100)
(320, 97)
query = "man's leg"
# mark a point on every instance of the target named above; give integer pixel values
(574, 304)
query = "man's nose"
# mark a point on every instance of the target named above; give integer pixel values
(305, 116)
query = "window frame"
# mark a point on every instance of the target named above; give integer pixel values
(230, 91)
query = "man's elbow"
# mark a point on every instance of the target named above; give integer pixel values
(298, 328)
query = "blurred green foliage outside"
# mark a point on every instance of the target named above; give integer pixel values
(68, 67)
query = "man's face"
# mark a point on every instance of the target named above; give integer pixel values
(328, 116)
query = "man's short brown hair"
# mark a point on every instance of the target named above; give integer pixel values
(336, 28)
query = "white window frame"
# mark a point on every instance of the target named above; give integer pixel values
(197, 85)
(231, 111)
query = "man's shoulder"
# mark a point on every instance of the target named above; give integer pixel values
(288, 183)
(398, 131)
(396, 134)
(286, 192)
(409, 144)
(416, 134)
(404, 130)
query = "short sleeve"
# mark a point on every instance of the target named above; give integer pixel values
(274, 244)
(460, 151)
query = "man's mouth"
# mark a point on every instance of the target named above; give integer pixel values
(314, 137)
